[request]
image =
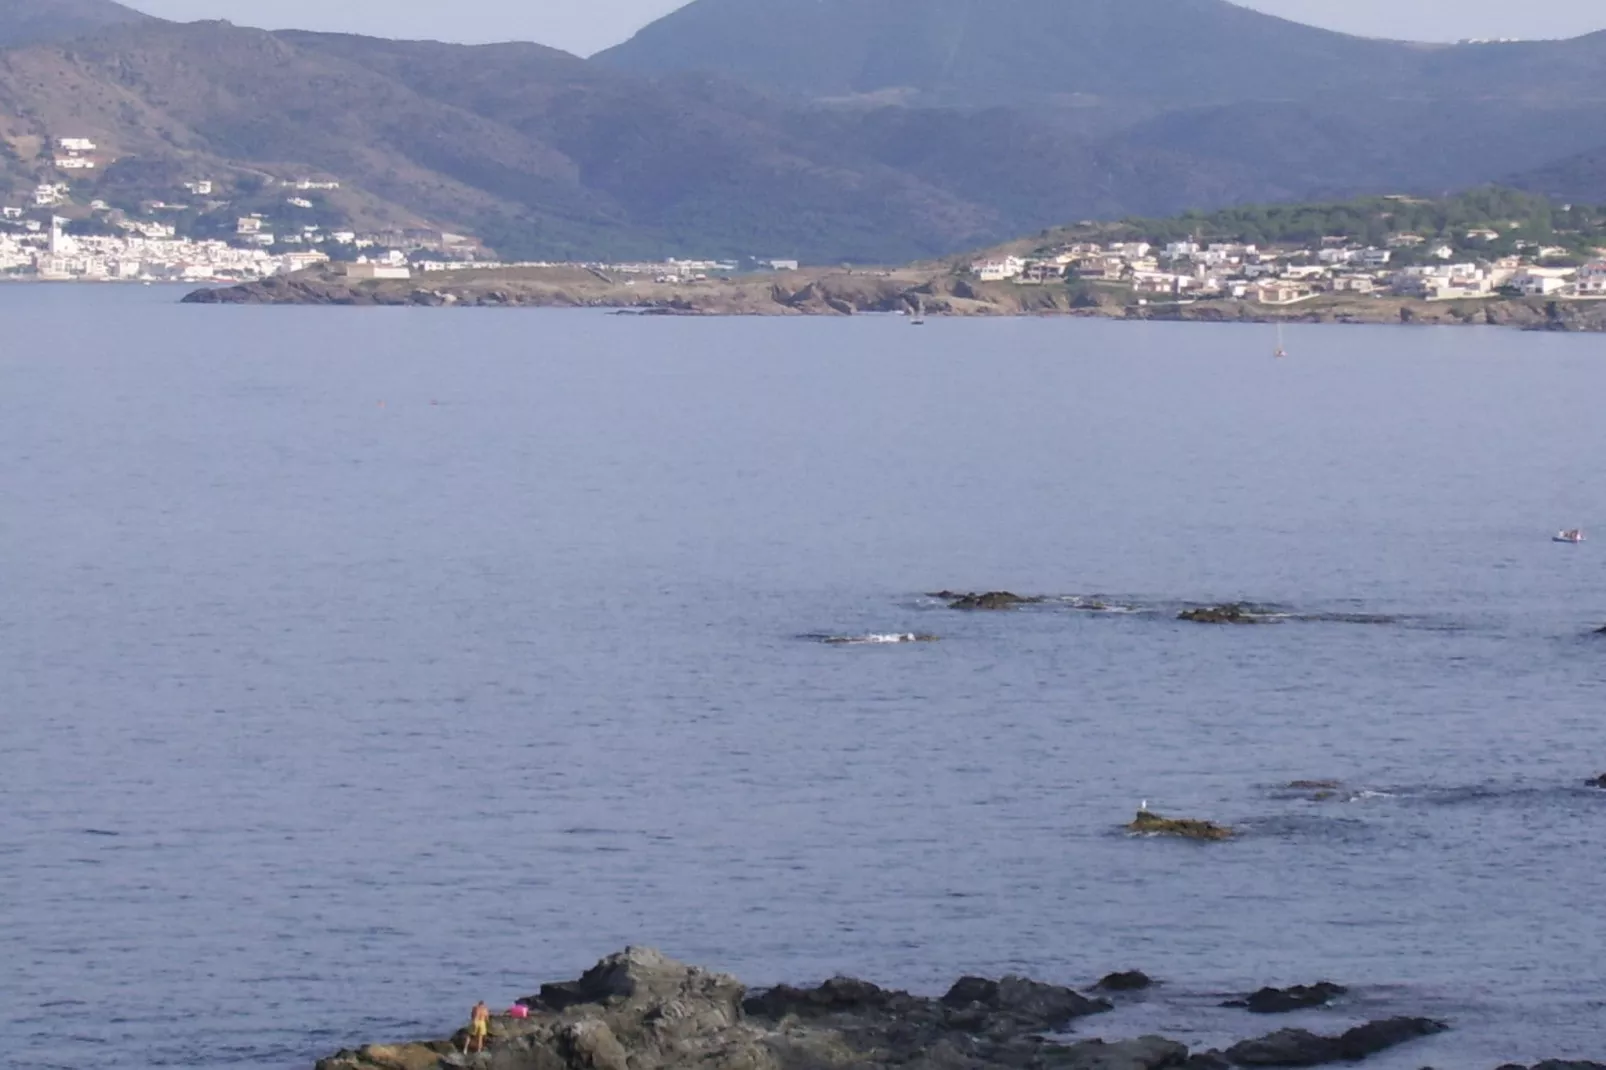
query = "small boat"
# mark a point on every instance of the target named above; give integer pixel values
(1572, 535)
(1281, 350)
(919, 319)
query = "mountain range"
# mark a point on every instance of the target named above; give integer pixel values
(828, 130)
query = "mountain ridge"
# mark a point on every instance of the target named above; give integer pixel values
(545, 155)
(24, 22)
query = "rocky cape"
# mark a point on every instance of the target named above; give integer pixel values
(638, 1010)
(937, 291)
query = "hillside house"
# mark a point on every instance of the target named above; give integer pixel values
(1540, 282)
(998, 270)
(379, 270)
(1278, 292)
(1355, 284)
(1591, 280)
(75, 144)
(1039, 272)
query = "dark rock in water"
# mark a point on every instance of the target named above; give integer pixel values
(1126, 981)
(1152, 824)
(1557, 1064)
(834, 996)
(641, 1011)
(1145, 1053)
(1025, 1004)
(874, 639)
(1314, 785)
(989, 600)
(1297, 998)
(1230, 613)
(1598, 782)
(1299, 1047)
(1209, 1060)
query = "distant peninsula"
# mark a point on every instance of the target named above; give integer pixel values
(1492, 257)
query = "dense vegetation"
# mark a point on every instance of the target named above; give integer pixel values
(1519, 218)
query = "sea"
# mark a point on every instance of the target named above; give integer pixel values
(359, 664)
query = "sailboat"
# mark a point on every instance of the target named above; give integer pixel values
(919, 319)
(1281, 349)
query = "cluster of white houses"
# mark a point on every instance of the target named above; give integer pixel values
(1188, 270)
(137, 256)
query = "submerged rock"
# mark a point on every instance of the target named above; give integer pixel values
(989, 600)
(1300, 1047)
(1151, 824)
(875, 639)
(1314, 785)
(1145, 1053)
(1125, 981)
(1296, 998)
(1598, 782)
(1230, 613)
(1557, 1064)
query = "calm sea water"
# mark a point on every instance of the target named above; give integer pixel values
(360, 664)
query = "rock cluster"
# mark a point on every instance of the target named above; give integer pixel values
(638, 1010)
(1126, 981)
(1148, 823)
(1228, 613)
(987, 600)
(1296, 998)
(1299, 1047)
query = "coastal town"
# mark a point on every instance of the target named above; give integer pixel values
(1407, 265)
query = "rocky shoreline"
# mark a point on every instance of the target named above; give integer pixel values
(638, 1010)
(843, 292)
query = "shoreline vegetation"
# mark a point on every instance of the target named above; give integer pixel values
(934, 291)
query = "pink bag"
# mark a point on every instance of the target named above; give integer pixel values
(518, 1010)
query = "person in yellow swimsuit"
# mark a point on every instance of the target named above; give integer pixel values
(479, 1027)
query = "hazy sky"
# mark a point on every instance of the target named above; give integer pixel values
(586, 25)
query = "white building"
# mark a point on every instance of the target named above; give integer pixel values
(74, 163)
(75, 144)
(1592, 280)
(999, 270)
(250, 224)
(48, 195)
(201, 187)
(376, 270)
(1540, 282)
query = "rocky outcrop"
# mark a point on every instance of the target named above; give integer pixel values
(1148, 823)
(639, 1010)
(1125, 981)
(1299, 1047)
(1296, 998)
(1557, 1064)
(991, 600)
(1228, 613)
(1598, 782)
